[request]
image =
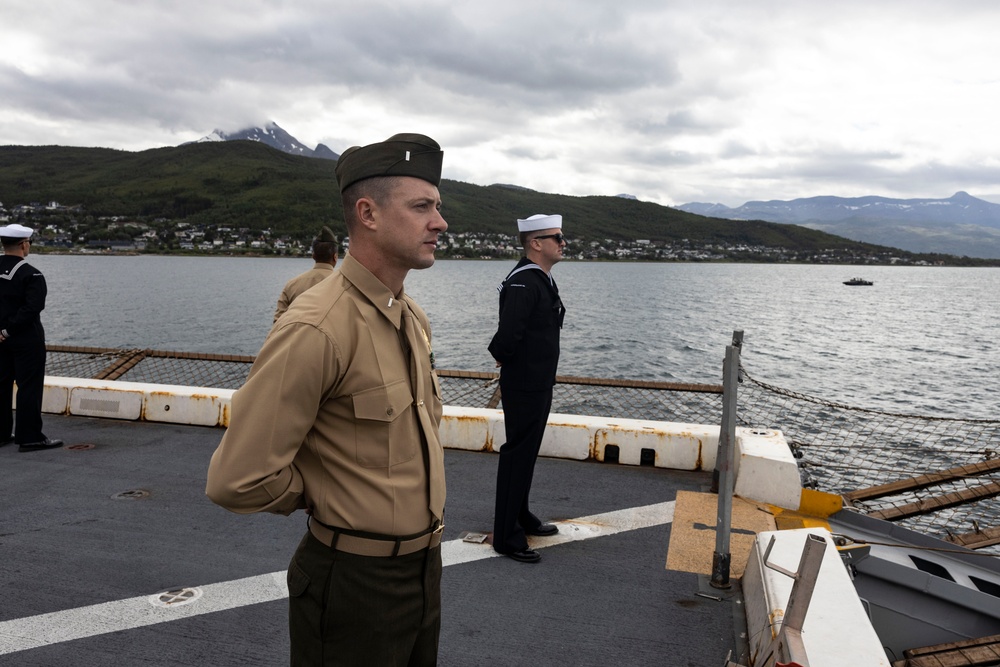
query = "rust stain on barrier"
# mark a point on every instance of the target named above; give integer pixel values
(596, 452)
(776, 616)
(194, 397)
(699, 463)
(467, 418)
(462, 419)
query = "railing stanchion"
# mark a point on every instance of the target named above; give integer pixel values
(725, 462)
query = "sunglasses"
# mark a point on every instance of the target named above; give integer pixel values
(558, 237)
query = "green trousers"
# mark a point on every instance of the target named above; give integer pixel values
(359, 610)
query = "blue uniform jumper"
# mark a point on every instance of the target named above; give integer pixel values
(527, 345)
(22, 354)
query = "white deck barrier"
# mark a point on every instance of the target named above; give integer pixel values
(768, 469)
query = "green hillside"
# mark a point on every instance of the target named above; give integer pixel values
(239, 183)
(243, 184)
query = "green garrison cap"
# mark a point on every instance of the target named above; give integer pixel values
(400, 155)
(326, 234)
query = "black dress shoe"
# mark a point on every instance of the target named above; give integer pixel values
(525, 556)
(542, 530)
(47, 443)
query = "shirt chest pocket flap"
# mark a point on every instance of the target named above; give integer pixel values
(378, 439)
(383, 404)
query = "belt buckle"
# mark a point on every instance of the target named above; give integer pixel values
(435, 536)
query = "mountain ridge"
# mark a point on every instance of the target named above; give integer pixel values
(271, 134)
(959, 225)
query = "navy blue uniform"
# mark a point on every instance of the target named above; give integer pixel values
(22, 353)
(527, 345)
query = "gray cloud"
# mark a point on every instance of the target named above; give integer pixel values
(670, 101)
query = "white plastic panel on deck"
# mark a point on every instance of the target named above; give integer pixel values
(836, 631)
(766, 470)
(55, 398)
(475, 429)
(186, 405)
(95, 398)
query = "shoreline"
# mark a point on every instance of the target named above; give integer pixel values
(976, 263)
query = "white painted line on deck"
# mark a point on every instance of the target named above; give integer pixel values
(22, 634)
(571, 530)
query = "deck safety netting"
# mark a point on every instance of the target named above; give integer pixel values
(79, 362)
(189, 369)
(840, 448)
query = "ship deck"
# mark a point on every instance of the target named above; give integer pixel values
(93, 533)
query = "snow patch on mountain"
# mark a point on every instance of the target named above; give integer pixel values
(271, 134)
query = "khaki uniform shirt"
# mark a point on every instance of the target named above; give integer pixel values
(299, 284)
(334, 418)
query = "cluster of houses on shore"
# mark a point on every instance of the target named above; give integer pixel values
(68, 229)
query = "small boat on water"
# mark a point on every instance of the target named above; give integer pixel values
(858, 281)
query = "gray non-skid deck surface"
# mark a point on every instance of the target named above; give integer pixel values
(65, 543)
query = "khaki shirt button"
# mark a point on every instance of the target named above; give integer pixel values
(420, 403)
(388, 412)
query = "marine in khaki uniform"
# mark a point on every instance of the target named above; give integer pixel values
(339, 416)
(324, 254)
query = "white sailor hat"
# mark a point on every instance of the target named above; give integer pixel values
(539, 221)
(16, 232)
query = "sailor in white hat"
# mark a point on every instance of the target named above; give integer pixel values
(526, 348)
(16, 232)
(22, 343)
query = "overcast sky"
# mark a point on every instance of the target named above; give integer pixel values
(672, 102)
